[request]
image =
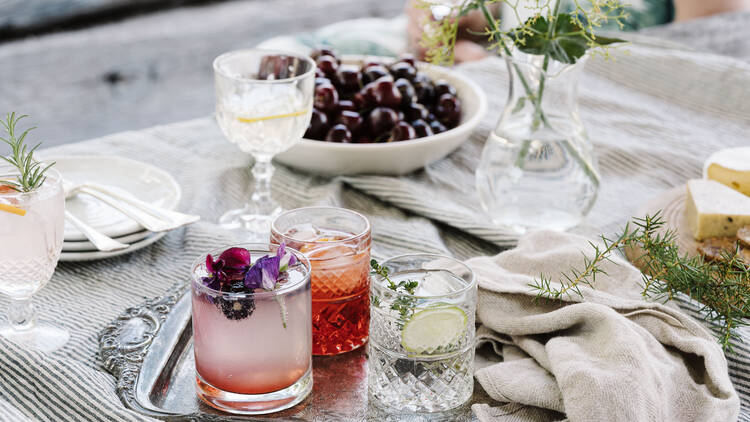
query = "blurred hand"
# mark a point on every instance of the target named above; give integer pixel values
(468, 47)
(691, 9)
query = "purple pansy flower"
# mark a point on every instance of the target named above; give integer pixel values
(236, 258)
(286, 259)
(263, 273)
(266, 271)
(231, 265)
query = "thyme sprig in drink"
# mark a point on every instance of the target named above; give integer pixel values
(337, 243)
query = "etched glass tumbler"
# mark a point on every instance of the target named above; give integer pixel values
(337, 243)
(253, 350)
(421, 349)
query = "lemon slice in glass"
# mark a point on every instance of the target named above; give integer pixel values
(434, 329)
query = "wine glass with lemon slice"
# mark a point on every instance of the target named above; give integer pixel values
(264, 100)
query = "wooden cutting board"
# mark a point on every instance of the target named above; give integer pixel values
(672, 206)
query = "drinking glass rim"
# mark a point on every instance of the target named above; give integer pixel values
(250, 247)
(28, 198)
(228, 54)
(459, 292)
(367, 230)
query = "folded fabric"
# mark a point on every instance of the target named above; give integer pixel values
(607, 356)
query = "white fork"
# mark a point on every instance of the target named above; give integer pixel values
(100, 240)
(152, 218)
(174, 217)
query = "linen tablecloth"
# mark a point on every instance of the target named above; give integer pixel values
(654, 115)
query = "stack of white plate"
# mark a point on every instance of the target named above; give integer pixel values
(143, 181)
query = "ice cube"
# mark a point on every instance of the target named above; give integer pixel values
(328, 251)
(438, 283)
(304, 232)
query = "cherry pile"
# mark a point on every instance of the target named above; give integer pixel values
(376, 102)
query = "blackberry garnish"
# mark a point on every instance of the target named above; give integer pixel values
(234, 308)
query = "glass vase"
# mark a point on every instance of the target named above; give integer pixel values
(537, 169)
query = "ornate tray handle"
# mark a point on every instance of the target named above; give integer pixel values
(124, 342)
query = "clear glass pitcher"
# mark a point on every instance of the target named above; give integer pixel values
(537, 169)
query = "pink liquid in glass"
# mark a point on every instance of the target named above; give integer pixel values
(254, 354)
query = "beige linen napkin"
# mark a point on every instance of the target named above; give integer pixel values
(610, 356)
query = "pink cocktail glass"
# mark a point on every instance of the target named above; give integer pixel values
(253, 351)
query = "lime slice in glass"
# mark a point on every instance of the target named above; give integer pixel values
(434, 329)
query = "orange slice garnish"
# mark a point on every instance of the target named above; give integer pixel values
(13, 210)
(10, 208)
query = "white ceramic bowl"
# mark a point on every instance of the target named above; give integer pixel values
(394, 158)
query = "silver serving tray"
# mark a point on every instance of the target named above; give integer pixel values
(149, 349)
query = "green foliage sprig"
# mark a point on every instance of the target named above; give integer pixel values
(722, 287)
(563, 36)
(30, 172)
(404, 305)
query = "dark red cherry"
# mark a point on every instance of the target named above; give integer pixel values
(359, 100)
(415, 111)
(328, 65)
(322, 81)
(403, 70)
(323, 51)
(402, 132)
(385, 93)
(326, 98)
(363, 139)
(382, 120)
(424, 88)
(319, 73)
(318, 126)
(407, 58)
(421, 128)
(370, 61)
(276, 66)
(443, 87)
(448, 110)
(408, 94)
(351, 119)
(437, 127)
(348, 78)
(347, 105)
(374, 73)
(339, 133)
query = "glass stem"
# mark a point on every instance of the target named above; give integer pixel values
(262, 173)
(21, 314)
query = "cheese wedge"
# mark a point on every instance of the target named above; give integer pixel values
(730, 167)
(714, 210)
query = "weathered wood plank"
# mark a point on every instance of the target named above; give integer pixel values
(18, 17)
(147, 70)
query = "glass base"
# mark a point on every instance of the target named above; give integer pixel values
(254, 404)
(42, 337)
(419, 384)
(257, 226)
(522, 220)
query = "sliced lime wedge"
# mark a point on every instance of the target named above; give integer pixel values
(434, 329)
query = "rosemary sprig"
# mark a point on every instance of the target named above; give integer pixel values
(404, 305)
(30, 172)
(721, 287)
